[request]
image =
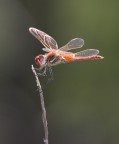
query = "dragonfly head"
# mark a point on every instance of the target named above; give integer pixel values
(40, 61)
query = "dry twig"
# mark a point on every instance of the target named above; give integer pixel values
(42, 106)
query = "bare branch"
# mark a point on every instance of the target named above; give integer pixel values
(42, 106)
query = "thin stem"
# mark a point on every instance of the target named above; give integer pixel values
(42, 106)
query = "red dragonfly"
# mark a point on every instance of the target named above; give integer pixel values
(54, 56)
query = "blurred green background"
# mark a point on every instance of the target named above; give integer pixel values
(82, 101)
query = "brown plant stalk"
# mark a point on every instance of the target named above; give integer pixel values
(44, 118)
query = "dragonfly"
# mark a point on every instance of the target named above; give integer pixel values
(54, 55)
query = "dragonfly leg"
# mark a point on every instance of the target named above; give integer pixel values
(37, 69)
(49, 71)
(41, 72)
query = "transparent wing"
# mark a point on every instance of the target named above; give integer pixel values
(88, 52)
(46, 49)
(45, 39)
(73, 44)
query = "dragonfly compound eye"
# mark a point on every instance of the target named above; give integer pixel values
(39, 60)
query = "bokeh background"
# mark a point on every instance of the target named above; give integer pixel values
(83, 100)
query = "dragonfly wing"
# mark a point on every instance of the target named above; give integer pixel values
(73, 44)
(88, 52)
(46, 49)
(45, 39)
